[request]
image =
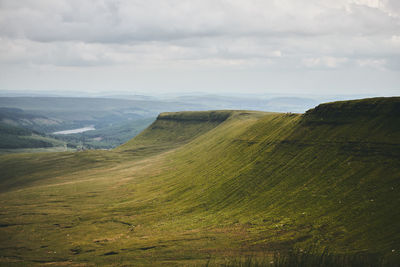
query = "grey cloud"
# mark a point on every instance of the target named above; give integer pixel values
(273, 36)
(130, 21)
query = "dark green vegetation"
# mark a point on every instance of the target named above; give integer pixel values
(15, 137)
(214, 185)
(17, 130)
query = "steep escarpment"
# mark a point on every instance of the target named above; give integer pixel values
(173, 129)
(302, 182)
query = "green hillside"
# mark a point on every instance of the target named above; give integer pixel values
(15, 137)
(219, 185)
(18, 132)
(172, 130)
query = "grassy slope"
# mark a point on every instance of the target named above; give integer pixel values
(248, 182)
(172, 130)
(312, 180)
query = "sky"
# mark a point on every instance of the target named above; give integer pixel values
(208, 46)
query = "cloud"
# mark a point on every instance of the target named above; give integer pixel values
(327, 62)
(225, 22)
(395, 40)
(132, 21)
(275, 36)
(379, 64)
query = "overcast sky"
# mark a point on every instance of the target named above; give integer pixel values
(213, 46)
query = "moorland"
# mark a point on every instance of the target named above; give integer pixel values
(213, 187)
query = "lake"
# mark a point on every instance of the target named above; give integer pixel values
(79, 130)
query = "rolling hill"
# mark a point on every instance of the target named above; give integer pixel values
(17, 131)
(218, 184)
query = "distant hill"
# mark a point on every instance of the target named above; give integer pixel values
(12, 137)
(196, 186)
(18, 130)
(290, 104)
(274, 104)
(90, 109)
(20, 118)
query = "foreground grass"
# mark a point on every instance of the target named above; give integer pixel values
(247, 183)
(307, 258)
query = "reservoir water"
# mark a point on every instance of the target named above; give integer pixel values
(79, 130)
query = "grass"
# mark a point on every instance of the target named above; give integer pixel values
(223, 185)
(298, 258)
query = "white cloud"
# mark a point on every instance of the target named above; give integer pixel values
(201, 35)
